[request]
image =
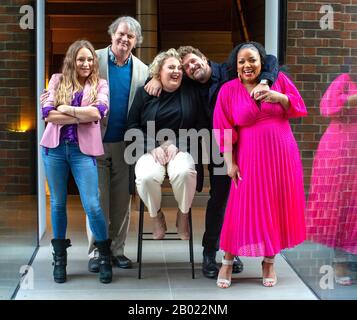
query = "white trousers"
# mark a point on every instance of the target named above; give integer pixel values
(150, 176)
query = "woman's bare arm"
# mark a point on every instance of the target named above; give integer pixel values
(83, 114)
(57, 117)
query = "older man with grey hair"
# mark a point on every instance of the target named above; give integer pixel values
(124, 73)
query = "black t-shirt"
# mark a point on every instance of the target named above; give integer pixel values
(169, 113)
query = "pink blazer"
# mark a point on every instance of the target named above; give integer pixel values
(89, 136)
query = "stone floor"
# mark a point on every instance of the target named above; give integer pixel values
(166, 273)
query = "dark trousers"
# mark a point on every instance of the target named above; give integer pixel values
(216, 206)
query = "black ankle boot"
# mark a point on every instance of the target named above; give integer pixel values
(105, 264)
(60, 259)
(209, 265)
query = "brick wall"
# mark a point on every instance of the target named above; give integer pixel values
(17, 101)
(315, 57)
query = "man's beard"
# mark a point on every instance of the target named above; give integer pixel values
(198, 74)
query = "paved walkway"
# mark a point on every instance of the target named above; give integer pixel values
(166, 271)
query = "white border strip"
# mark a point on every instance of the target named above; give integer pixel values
(272, 27)
(40, 78)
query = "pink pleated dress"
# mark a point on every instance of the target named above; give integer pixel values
(331, 215)
(265, 212)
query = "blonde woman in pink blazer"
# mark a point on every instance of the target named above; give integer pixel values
(77, 100)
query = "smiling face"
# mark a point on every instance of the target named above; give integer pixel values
(84, 64)
(171, 74)
(196, 68)
(249, 65)
(123, 40)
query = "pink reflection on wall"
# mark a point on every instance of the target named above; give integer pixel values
(332, 205)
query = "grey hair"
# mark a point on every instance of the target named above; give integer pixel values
(159, 60)
(133, 24)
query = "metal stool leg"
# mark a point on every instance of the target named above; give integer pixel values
(139, 233)
(191, 244)
(140, 242)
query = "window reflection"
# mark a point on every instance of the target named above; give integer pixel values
(18, 192)
(332, 203)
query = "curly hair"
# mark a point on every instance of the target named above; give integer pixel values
(69, 83)
(185, 50)
(232, 60)
(159, 60)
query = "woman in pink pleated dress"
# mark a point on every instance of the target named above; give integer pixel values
(265, 209)
(331, 215)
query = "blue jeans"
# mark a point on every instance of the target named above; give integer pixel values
(58, 161)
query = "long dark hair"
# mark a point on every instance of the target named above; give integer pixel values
(232, 60)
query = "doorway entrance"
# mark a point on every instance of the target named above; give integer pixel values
(215, 29)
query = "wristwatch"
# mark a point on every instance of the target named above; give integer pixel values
(264, 81)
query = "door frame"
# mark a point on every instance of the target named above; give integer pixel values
(40, 85)
(274, 19)
(272, 27)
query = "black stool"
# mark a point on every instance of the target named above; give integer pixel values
(141, 238)
(141, 233)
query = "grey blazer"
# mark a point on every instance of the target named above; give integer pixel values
(139, 75)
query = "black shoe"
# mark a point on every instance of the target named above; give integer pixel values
(209, 265)
(93, 265)
(122, 262)
(237, 265)
(105, 263)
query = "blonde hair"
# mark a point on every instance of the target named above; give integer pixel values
(69, 84)
(159, 60)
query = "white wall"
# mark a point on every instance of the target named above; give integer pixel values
(271, 26)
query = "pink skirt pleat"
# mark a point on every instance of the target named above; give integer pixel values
(265, 213)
